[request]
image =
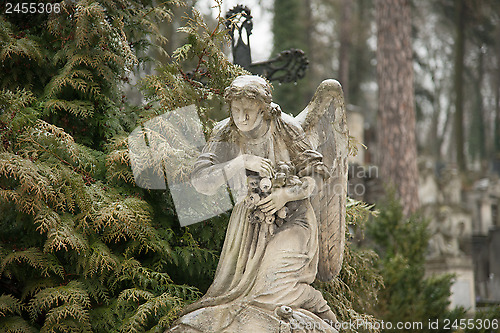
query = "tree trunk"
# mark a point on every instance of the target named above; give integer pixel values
(396, 105)
(477, 136)
(496, 135)
(458, 86)
(345, 45)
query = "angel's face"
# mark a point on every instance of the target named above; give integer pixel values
(247, 113)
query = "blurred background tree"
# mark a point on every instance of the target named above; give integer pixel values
(396, 102)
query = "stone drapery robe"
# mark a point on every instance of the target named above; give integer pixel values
(259, 271)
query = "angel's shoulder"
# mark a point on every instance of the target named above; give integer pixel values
(220, 125)
(220, 129)
(291, 125)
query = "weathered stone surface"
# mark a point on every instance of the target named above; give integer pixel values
(462, 289)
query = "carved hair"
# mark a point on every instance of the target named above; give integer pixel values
(252, 87)
(249, 86)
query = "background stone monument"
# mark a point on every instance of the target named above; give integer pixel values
(450, 228)
(484, 201)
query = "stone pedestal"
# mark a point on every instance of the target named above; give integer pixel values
(462, 289)
(494, 261)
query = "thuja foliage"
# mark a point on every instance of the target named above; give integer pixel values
(82, 248)
(407, 295)
(353, 294)
(76, 60)
(486, 315)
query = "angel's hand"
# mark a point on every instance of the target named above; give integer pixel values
(258, 164)
(275, 201)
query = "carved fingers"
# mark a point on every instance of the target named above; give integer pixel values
(266, 168)
(268, 205)
(273, 202)
(258, 164)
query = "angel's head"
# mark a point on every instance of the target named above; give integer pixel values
(249, 99)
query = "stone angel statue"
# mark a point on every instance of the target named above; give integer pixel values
(289, 182)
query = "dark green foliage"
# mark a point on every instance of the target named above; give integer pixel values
(485, 320)
(76, 61)
(408, 296)
(81, 249)
(72, 244)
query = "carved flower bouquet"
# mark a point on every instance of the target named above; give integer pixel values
(260, 187)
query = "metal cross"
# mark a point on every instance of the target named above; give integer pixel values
(287, 66)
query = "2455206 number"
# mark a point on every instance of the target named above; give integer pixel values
(32, 8)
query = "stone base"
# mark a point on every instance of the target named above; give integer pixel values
(462, 289)
(250, 319)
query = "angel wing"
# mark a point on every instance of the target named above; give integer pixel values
(324, 121)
